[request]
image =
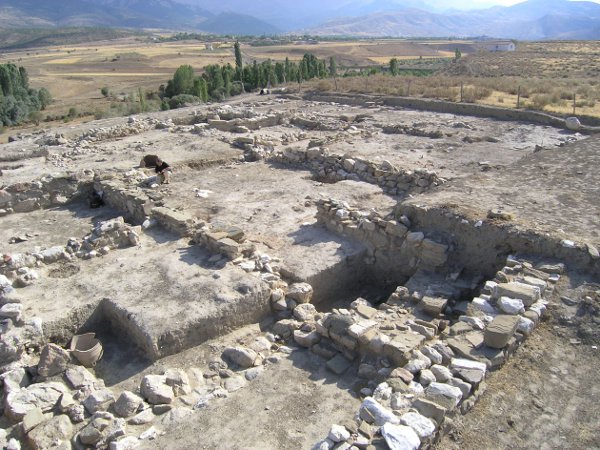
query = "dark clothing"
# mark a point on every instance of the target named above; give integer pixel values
(163, 166)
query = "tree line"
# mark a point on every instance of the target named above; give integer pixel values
(218, 82)
(18, 102)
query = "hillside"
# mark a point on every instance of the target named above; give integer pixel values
(534, 19)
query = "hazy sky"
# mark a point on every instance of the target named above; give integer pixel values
(481, 3)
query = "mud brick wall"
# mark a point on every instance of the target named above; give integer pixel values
(332, 167)
(394, 251)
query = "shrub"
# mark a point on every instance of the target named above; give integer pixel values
(104, 91)
(181, 100)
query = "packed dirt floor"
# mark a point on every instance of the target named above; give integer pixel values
(173, 301)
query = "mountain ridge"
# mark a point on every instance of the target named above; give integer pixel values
(531, 19)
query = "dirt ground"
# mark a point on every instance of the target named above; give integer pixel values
(545, 397)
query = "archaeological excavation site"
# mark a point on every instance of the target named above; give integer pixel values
(322, 271)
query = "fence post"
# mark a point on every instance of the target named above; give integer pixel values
(574, 103)
(461, 91)
(518, 97)
(408, 88)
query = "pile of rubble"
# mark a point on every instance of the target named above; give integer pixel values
(422, 359)
(55, 403)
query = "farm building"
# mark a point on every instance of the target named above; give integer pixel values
(498, 46)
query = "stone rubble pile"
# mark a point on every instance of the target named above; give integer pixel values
(55, 403)
(421, 361)
(43, 193)
(21, 269)
(332, 167)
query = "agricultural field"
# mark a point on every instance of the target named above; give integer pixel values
(546, 74)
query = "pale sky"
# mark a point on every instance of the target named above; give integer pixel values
(510, 2)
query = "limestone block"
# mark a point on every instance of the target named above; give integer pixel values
(155, 389)
(400, 437)
(427, 332)
(426, 377)
(32, 419)
(14, 380)
(529, 294)
(39, 395)
(127, 443)
(53, 360)
(127, 404)
(433, 306)
(430, 409)
(433, 253)
(306, 339)
(80, 377)
(304, 312)
(533, 281)
(99, 401)
(500, 330)
(338, 433)
(423, 426)
(378, 413)
(511, 306)
(443, 394)
(526, 326)
(398, 349)
(442, 373)
(179, 381)
(462, 385)
(11, 311)
(481, 304)
(241, 356)
(52, 433)
(396, 229)
(300, 292)
(367, 312)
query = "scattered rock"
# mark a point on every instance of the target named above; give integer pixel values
(155, 389)
(400, 437)
(127, 404)
(53, 360)
(240, 356)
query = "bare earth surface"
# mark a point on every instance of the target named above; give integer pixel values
(546, 396)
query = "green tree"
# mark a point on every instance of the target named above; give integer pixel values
(104, 91)
(44, 97)
(332, 67)
(457, 54)
(239, 62)
(183, 80)
(394, 66)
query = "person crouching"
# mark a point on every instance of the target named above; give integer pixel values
(163, 171)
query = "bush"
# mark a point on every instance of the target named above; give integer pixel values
(181, 100)
(104, 91)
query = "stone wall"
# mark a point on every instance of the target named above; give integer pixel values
(481, 245)
(468, 109)
(394, 251)
(331, 167)
(423, 360)
(43, 193)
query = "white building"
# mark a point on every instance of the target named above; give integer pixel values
(498, 46)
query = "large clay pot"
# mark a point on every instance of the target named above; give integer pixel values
(87, 349)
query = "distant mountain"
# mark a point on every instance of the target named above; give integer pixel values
(533, 19)
(105, 13)
(231, 23)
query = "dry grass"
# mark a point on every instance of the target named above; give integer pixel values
(548, 73)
